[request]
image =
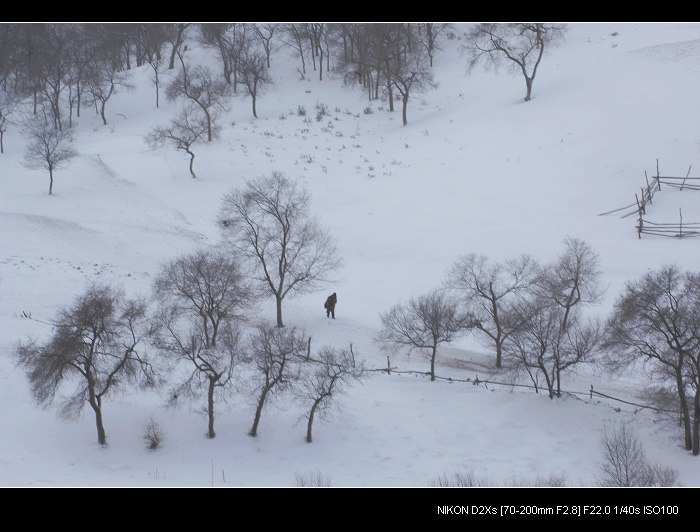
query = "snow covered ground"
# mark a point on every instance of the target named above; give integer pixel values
(475, 170)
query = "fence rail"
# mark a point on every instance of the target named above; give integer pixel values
(646, 196)
(675, 230)
(477, 381)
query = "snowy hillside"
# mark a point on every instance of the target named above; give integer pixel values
(475, 170)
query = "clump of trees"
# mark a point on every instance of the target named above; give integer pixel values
(552, 335)
(200, 348)
(197, 330)
(57, 69)
(528, 313)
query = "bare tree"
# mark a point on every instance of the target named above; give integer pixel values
(522, 45)
(103, 81)
(208, 285)
(573, 279)
(423, 323)
(431, 35)
(265, 33)
(552, 336)
(541, 346)
(275, 355)
(48, 147)
(97, 346)
(492, 293)
(625, 463)
(9, 102)
(202, 297)
(657, 320)
(293, 35)
(184, 131)
(324, 379)
(231, 40)
(176, 37)
(254, 76)
(201, 87)
(410, 76)
(54, 63)
(269, 223)
(211, 367)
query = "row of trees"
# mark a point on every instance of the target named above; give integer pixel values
(195, 320)
(59, 68)
(531, 316)
(104, 343)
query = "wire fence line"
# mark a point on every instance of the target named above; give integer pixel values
(477, 382)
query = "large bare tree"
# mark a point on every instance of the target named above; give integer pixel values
(491, 293)
(254, 76)
(97, 346)
(201, 87)
(553, 335)
(542, 347)
(269, 222)
(423, 323)
(656, 320)
(411, 75)
(521, 45)
(324, 379)
(275, 354)
(202, 297)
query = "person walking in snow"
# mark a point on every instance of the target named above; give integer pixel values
(329, 305)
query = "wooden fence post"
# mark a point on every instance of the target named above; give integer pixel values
(686, 177)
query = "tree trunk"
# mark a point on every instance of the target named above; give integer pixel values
(279, 312)
(101, 434)
(528, 84)
(258, 413)
(497, 323)
(696, 424)
(191, 163)
(311, 420)
(210, 407)
(685, 414)
(405, 107)
(432, 363)
(50, 180)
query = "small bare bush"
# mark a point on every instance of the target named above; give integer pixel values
(551, 481)
(625, 464)
(153, 435)
(459, 480)
(312, 480)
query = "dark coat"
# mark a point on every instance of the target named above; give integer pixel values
(330, 302)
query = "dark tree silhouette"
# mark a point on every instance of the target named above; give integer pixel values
(97, 346)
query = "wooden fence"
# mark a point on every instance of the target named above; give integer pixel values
(675, 230)
(645, 197)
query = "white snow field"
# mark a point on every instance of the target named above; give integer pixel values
(475, 170)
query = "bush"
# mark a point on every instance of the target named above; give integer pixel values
(153, 435)
(625, 464)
